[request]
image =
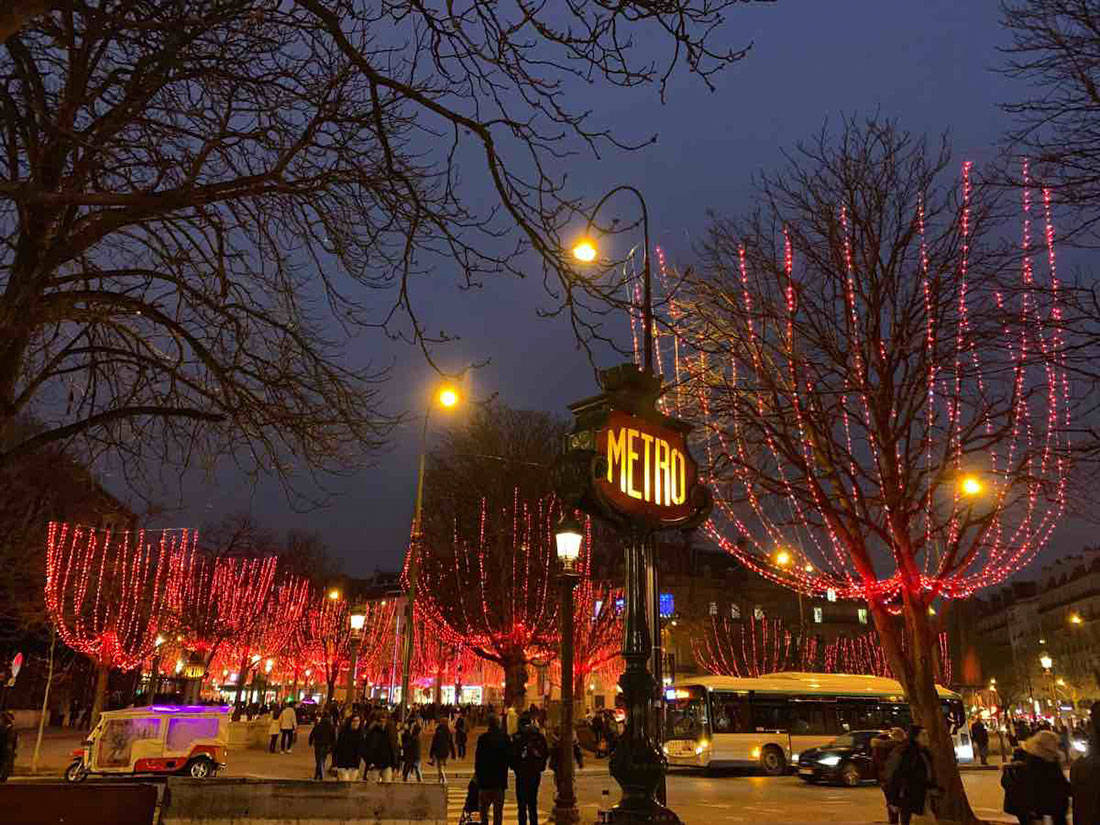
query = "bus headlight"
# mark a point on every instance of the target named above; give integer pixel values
(702, 746)
(830, 761)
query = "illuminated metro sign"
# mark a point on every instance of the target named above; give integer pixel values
(649, 472)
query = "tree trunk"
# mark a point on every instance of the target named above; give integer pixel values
(242, 674)
(515, 681)
(914, 664)
(99, 698)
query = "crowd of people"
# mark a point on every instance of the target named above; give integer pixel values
(1036, 788)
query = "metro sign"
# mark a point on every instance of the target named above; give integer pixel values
(649, 473)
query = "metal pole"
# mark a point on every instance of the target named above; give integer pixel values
(414, 553)
(353, 655)
(565, 803)
(45, 704)
(653, 588)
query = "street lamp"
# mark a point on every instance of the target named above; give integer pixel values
(357, 619)
(1048, 667)
(448, 398)
(567, 539)
(154, 677)
(1075, 618)
(971, 486)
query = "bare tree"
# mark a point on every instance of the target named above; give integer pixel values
(857, 347)
(202, 201)
(15, 13)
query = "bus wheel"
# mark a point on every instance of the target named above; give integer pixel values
(772, 761)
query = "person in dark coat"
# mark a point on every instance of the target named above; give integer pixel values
(461, 734)
(442, 749)
(979, 735)
(393, 733)
(1084, 777)
(881, 749)
(1034, 784)
(410, 752)
(491, 759)
(323, 739)
(349, 750)
(530, 752)
(909, 777)
(9, 745)
(377, 751)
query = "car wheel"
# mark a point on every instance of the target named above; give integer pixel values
(773, 762)
(200, 768)
(76, 772)
(850, 776)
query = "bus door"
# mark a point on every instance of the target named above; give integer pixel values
(812, 723)
(686, 723)
(771, 725)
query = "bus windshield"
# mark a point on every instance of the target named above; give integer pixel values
(685, 713)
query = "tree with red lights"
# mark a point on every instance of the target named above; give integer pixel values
(881, 391)
(865, 655)
(495, 591)
(327, 636)
(107, 591)
(753, 648)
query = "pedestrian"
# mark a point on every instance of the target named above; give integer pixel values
(491, 758)
(376, 750)
(555, 754)
(9, 744)
(511, 721)
(410, 752)
(529, 753)
(349, 750)
(323, 738)
(881, 749)
(442, 749)
(910, 779)
(393, 734)
(273, 731)
(460, 736)
(288, 721)
(1084, 776)
(979, 735)
(1035, 785)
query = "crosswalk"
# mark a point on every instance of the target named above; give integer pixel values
(456, 801)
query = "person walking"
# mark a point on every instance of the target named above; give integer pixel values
(349, 750)
(881, 749)
(910, 779)
(1084, 776)
(393, 734)
(1034, 785)
(530, 753)
(376, 751)
(273, 731)
(9, 744)
(322, 738)
(461, 735)
(979, 735)
(491, 759)
(288, 721)
(410, 752)
(442, 748)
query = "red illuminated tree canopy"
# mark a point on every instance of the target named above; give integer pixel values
(753, 648)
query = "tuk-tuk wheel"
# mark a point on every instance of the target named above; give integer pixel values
(201, 767)
(76, 772)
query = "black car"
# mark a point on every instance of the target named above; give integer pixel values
(845, 760)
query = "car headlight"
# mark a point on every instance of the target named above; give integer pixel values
(794, 757)
(830, 761)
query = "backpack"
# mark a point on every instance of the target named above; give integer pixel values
(532, 752)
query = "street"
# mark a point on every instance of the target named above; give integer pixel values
(716, 799)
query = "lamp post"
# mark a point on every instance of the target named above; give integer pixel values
(154, 677)
(447, 397)
(356, 620)
(1047, 663)
(567, 539)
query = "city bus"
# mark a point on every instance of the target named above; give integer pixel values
(720, 721)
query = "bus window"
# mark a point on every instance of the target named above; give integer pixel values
(729, 712)
(858, 714)
(953, 711)
(685, 713)
(812, 718)
(895, 715)
(770, 712)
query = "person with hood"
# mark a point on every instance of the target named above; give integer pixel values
(322, 738)
(530, 753)
(9, 744)
(461, 735)
(442, 749)
(881, 748)
(1084, 776)
(349, 750)
(910, 778)
(410, 752)
(377, 752)
(1035, 785)
(491, 757)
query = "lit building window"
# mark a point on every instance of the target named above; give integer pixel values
(819, 615)
(862, 615)
(735, 611)
(713, 609)
(758, 612)
(830, 594)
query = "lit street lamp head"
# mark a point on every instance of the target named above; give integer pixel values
(357, 620)
(971, 486)
(448, 397)
(783, 558)
(334, 594)
(567, 538)
(1046, 661)
(585, 251)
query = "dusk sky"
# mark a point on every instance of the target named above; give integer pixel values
(929, 65)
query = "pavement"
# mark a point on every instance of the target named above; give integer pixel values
(721, 798)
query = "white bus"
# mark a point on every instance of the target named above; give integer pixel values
(720, 721)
